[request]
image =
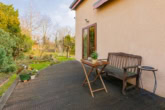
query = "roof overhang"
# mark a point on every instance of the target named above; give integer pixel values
(99, 3)
(75, 4)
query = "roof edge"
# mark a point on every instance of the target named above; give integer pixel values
(99, 3)
(74, 4)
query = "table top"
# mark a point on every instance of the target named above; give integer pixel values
(147, 68)
(98, 63)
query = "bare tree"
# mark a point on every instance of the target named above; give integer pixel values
(31, 21)
(61, 41)
(61, 33)
(45, 28)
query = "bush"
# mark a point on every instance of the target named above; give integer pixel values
(6, 62)
(47, 57)
(7, 42)
(21, 56)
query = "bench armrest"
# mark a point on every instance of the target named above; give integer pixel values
(129, 67)
(136, 66)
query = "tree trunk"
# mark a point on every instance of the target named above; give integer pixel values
(68, 49)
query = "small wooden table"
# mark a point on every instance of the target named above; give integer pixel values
(98, 72)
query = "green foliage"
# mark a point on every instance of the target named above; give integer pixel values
(10, 32)
(24, 77)
(24, 44)
(27, 43)
(63, 59)
(67, 40)
(9, 20)
(47, 57)
(6, 62)
(33, 72)
(7, 44)
(40, 66)
(94, 55)
(8, 84)
(70, 42)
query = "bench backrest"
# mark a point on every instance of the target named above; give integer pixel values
(120, 60)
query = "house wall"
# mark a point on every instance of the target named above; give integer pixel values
(131, 26)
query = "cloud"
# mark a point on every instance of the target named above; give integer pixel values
(63, 16)
(57, 10)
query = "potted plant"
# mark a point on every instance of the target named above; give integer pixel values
(94, 57)
(24, 77)
(33, 74)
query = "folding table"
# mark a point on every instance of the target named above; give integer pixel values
(93, 66)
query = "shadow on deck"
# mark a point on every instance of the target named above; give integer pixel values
(59, 88)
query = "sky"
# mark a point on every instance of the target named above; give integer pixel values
(57, 10)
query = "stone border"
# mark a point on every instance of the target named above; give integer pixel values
(7, 94)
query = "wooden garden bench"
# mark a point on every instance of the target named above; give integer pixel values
(124, 66)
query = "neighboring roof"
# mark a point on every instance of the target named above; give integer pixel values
(76, 3)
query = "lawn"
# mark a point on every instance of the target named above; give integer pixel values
(8, 84)
(63, 58)
(42, 65)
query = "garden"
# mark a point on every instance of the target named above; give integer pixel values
(22, 56)
(28, 69)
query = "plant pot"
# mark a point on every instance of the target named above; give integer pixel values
(33, 77)
(25, 81)
(24, 77)
(94, 61)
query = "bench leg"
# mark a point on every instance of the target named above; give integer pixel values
(106, 73)
(124, 87)
(137, 81)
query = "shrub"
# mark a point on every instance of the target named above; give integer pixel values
(33, 72)
(6, 62)
(47, 57)
(7, 42)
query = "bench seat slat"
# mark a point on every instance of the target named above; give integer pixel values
(117, 71)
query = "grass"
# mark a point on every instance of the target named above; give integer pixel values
(43, 65)
(40, 66)
(63, 58)
(8, 84)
